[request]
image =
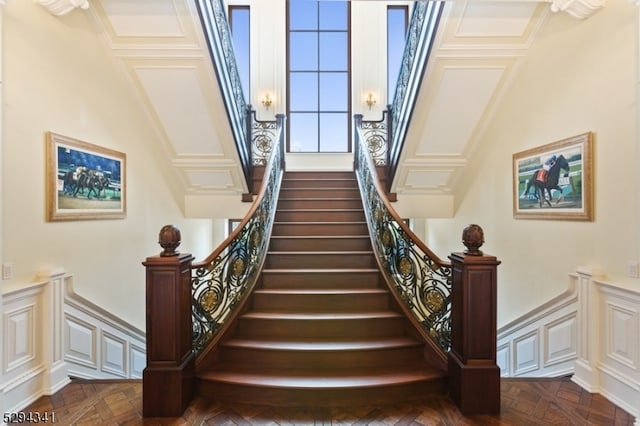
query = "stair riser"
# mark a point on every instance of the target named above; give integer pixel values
(319, 328)
(320, 215)
(330, 229)
(320, 244)
(319, 260)
(297, 397)
(310, 203)
(318, 175)
(287, 194)
(321, 359)
(339, 302)
(320, 280)
(319, 183)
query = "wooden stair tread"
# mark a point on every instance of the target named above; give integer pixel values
(323, 378)
(319, 237)
(320, 329)
(316, 253)
(320, 223)
(322, 198)
(323, 345)
(318, 271)
(321, 291)
(322, 209)
(320, 316)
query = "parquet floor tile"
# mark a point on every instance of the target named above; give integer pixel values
(529, 402)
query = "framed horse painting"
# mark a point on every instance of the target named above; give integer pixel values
(555, 181)
(84, 181)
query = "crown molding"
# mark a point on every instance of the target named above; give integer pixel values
(62, 7)
(580, 9)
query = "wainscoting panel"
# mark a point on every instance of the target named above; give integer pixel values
(561, 340)
(591, 331)
(526, 351)
(116, 347)
(50, 334)
(114, 355)
(24, 369)
(81, 341)
(543, 342)
(20, 329)
(614, 368)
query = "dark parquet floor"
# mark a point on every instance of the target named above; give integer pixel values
(523, 402)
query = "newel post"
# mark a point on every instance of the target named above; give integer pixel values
(167, 380)
(474, 377)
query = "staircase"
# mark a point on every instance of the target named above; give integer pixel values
(320, 328)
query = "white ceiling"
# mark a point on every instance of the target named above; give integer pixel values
(476, 52)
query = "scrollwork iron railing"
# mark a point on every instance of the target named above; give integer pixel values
(220, 282)
(422, 29)
(375, 135)
(263, 139)
(216, 26)
(419, 278)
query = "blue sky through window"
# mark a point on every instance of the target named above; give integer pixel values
(319, 106)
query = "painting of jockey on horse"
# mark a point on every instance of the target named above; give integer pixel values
(84, 181)
(554, 181)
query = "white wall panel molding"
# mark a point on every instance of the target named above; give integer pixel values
(20, 329)
(543, 342)
(49, 333)
(32, 364)
(561, 340)
(526, 353)
(104, 346)
(612, 333)
(592, 330)
(81, 341)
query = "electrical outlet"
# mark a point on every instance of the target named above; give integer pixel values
(7, 271)
(634, 269)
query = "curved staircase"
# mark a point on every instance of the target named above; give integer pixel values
(320, 328)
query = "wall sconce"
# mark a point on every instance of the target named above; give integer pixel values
(370, 101)
(266, 101)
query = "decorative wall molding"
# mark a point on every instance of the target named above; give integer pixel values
(32, 363)
(97, 344)
(62, 7)
(609, 357)
(592, 330)
(581, 9)
(543, 342)
(50, 333)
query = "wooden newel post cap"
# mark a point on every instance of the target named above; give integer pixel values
(473, 238)
(169, 240)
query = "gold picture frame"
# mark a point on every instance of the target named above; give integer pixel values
(84, 181)
(566, 167)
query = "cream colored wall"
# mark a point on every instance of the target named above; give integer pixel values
(57, 78)
(580, 76)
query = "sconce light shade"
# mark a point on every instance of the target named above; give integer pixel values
(370, 100)
(266, 101)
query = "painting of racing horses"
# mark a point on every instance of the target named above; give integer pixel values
(84, 181)
(543, 181)
(554, 181)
